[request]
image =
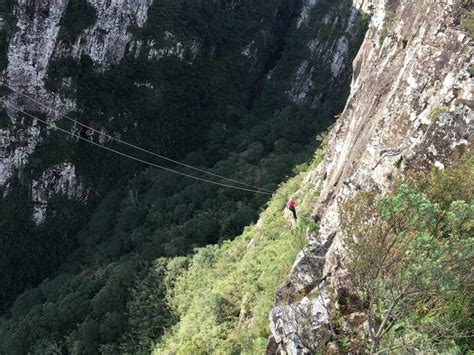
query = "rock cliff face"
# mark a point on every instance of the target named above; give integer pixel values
(331, 43)
(408, 108)
(32, 47)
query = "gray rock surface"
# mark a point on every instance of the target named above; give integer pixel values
(409, 104)
(31, 49)
(336, 35)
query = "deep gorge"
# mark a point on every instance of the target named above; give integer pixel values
(358, 111)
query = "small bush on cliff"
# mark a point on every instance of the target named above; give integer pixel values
(4, 119)
(387, 25)
(436, 113)
(468, 23)
(410, 257)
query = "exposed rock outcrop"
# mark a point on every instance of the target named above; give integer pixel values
(59, 180)
(30, 50)
(409, 108)
(109, 39)
(336, 33)
(34, 44)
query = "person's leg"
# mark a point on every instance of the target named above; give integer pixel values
(293, 210)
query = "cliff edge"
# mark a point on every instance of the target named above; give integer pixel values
(409, 108)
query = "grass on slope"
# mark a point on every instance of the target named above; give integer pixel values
(224, 298)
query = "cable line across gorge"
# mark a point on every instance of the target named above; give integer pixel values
(251, 188)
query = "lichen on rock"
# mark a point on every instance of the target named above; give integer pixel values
(409, 108)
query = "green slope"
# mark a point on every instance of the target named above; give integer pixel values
(224, 298)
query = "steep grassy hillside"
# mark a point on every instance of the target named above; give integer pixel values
(223, 299)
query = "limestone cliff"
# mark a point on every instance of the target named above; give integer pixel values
(410, 107)
(32, 47)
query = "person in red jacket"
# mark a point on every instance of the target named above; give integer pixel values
(292, 207)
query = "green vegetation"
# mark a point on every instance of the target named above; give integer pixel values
(168, 95)
(436, 113)
(409, 254)
(224, 297)
(79, 16)
(121, 305)
(50, 312)
(468, 23)
(398, 163)
(15, 243)
(156, 264)
(387, 25)
(4, 119)
(7, 28)
(65, 67)
(410, 257)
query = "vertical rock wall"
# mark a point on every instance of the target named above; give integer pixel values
(337, 32)
(32, 47)
(413, 62)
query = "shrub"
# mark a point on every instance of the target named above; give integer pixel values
(147, 311)
(4, 119)
(387, 25)
(409, 258)
(58, 70)
(468, 23)
(436, 113)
